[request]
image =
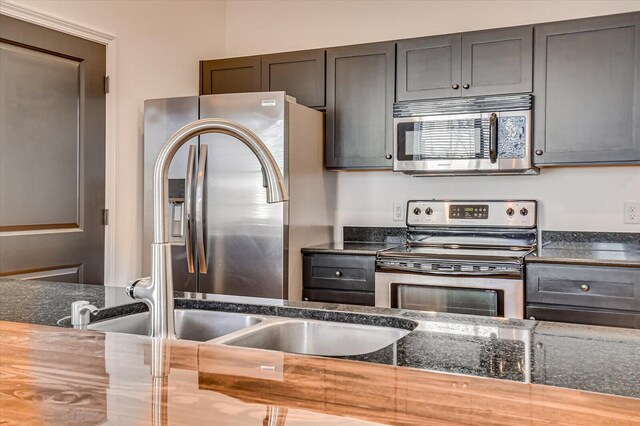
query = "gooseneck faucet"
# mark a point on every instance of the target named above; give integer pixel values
(157, 292)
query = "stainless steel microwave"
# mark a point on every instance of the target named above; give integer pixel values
(487, 135)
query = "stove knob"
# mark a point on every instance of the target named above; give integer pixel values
(510, 211)
(417, 211)
(524, 211)
(429, 210)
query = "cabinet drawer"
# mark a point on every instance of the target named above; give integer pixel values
(339, 272)
(587, 286)
(584, 316)
(340, 296)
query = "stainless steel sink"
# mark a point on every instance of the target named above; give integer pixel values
(190, 324)
(317, 337)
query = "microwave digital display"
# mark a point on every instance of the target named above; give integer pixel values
(466, 211)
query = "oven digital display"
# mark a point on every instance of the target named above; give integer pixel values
(461, 211)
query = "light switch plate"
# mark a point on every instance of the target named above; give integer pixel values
(632, 212)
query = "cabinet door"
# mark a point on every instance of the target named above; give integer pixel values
(584, 286)
(300, 74)
(598, 360)
(359, 126)
(497, 61)
(233, 75)
(429, 68)
(587, 91)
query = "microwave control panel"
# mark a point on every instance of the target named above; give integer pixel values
(516, 214)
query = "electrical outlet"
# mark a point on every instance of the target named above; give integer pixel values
(398, 212)
(632, 212)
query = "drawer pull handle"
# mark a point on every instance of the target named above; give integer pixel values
(338, 274)
(584, 287)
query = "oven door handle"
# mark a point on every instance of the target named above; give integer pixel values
(467, 273)
(493, 137)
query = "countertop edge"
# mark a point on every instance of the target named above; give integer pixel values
(532, 258)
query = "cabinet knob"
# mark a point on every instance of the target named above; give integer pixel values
(538, 152)
(466, 86)
(388, 157)
(455, 86)
(338, 274)
(306, 299)
(584, 287)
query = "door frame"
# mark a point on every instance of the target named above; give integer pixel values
(35, 17)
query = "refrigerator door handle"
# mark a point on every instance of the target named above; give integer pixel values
(199, 207)
(188, 205)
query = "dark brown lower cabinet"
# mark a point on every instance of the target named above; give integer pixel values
(597, 295)
(339, 278)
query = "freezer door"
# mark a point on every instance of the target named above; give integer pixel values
(162, 117)
(244, 237)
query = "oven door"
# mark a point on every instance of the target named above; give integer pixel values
(488, 296)
(476, 143)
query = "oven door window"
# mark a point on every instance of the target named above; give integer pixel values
(456, 300)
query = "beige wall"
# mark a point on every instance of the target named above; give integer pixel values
(159, 44)
(587, 198)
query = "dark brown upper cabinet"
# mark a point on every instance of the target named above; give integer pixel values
(478, 63)
(300, 74)
(587, 91)
(234, 75)
(497, 61)
(360, 95)
(429, 68)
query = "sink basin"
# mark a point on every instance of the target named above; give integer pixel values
(190, 324)
(318, 338)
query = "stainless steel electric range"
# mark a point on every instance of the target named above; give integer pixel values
(462, 257)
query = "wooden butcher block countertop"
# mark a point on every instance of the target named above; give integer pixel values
(52, 375)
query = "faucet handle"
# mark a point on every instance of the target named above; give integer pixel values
(132, 286)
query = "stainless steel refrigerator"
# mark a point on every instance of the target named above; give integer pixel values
(226, 238)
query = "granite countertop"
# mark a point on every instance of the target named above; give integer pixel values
(73, 377)
(362, 240)
(44, 302)
(522, 351)
(351, 248)
(588, 248)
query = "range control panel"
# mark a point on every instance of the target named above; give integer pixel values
(468, 211)
(517, 214)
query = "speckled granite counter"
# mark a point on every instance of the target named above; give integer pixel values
(350, 248)
(588, 248)
(516, 350)
(362, 240)
(43, 302)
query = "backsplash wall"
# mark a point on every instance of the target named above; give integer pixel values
(575, 199)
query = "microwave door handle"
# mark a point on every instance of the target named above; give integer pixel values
(493, 137)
